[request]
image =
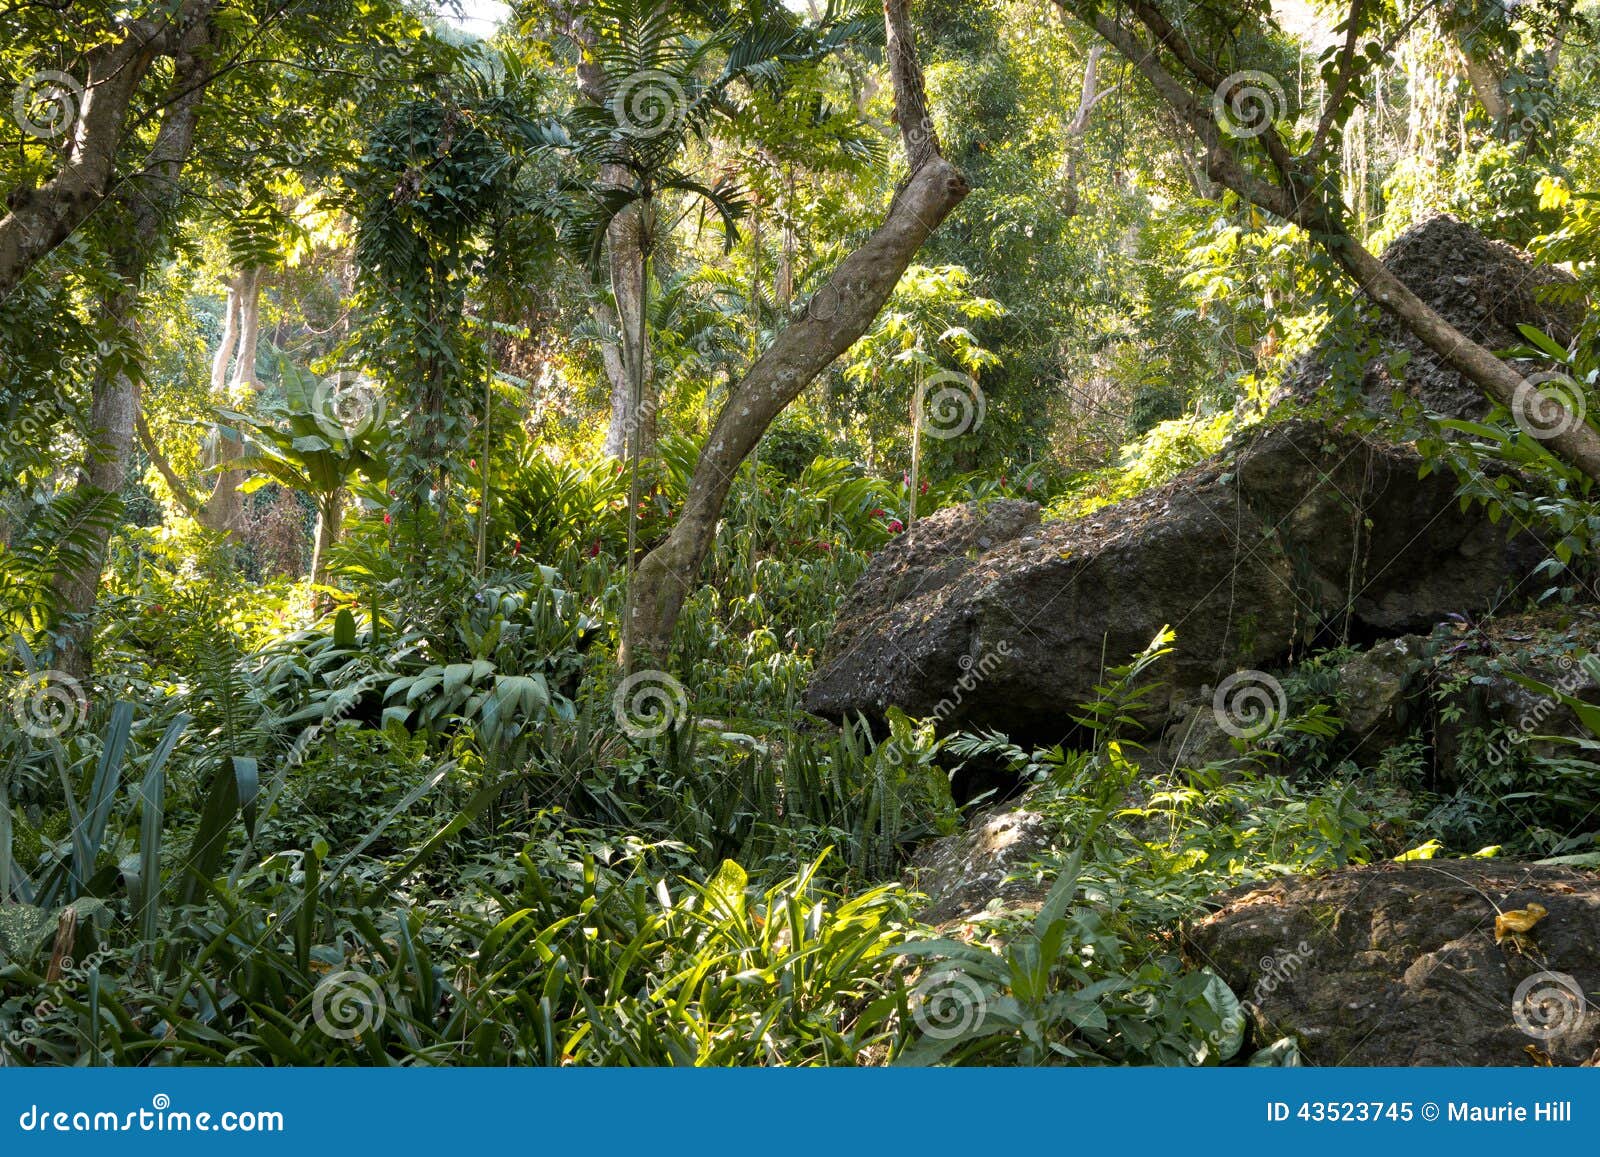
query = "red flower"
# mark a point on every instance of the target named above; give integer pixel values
(594, 549)
(879, 512)
(923, 489)
(1003, 480)
(473, 462)
(516, 547)
(387, 519)
(896, 526)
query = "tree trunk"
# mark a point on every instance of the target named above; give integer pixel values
(1486, 86)
(633, 422)
(244, 365)
(41, 219)
(1577, 442)
(104, 469)
(224, 509)
(855, 293)
(147, 201)
(616, 441)
(330, 520)
(850, 300)
(1293, 199)
(230, 339)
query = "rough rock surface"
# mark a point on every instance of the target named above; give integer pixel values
(1378, 690)
(963, 872)
(982, 617)
(1397, 964)
(1484, 288)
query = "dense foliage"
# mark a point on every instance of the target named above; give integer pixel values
(330, 757)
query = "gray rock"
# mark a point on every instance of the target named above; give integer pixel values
(1377, 689)
(1484, 288)
(1242, 556)
(1397, 964)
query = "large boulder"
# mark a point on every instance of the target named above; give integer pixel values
(1400, 964)
(1484, 288)
(982, 616)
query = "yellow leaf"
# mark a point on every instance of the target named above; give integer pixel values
(1518, 920)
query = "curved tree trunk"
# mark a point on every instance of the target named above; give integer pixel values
(842, 310)
(41, 219)
(1293, 197)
